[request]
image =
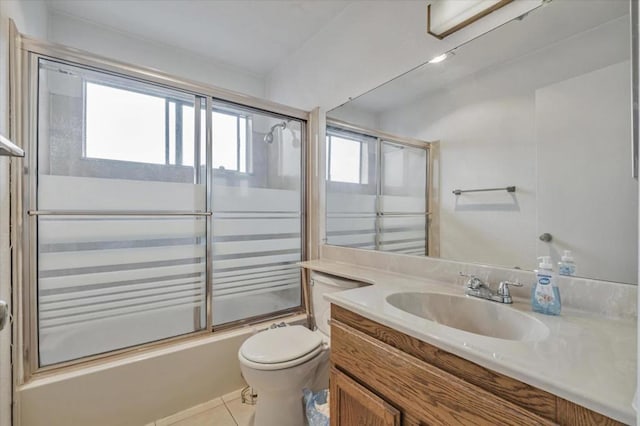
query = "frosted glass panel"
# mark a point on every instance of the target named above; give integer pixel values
(404, 234)
(404, 183)
(109, 283)
(403, 199)
(352, 231)
(257, 215)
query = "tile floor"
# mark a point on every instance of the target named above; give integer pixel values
(226, 411)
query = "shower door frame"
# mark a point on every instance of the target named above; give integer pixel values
(432, 219)
(25, 53)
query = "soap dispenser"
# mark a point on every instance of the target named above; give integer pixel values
(567, 266)
(545, 296)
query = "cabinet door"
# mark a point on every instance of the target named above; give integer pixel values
(353, 405)
(433, 396)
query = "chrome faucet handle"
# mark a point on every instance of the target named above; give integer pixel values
(503, 290)
(473, 281)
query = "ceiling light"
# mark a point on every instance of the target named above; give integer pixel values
(438, 59)
(444, 17)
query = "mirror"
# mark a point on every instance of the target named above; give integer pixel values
(541, 104)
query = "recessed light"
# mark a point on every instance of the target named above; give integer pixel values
(438, 59)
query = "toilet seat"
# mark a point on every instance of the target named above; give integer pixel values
(281, 348)
(282, 365)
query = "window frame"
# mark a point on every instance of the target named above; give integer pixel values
(178, 105)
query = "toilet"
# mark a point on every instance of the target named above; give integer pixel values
(279, 362)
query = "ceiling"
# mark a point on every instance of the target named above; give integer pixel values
(254, 35)
(542, 28)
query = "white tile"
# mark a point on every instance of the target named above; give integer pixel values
(190, 412)
(242, 413)
(218, 416)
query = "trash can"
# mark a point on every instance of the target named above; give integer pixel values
(317, 407)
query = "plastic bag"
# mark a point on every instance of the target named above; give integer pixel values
(317, 407)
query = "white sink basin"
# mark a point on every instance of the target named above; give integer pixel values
(472, 315)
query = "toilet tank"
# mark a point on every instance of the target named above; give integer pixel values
(322, 284)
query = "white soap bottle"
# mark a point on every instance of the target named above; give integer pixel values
(545, 295)
(567, 266)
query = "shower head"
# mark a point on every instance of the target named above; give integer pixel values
(268, 138)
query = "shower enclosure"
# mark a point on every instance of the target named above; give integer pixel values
(152, 211)
(377, 191)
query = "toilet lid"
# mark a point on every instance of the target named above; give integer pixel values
(280, 344)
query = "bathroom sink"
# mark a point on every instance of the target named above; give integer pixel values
(472, 315)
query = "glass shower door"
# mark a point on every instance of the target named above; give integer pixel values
(257, 214)
(121, 223)
(403, 200)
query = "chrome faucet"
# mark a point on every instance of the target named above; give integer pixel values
(477, 288)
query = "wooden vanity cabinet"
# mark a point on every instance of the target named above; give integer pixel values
(356, 405)
(381, 377)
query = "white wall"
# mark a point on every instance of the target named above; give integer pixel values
(587, 198)
(113, 44)
(486, 131)
(369, 43)
(31, 18)
(490, 125)
(352, 114)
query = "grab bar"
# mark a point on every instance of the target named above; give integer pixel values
(9, 149)
(508, 189)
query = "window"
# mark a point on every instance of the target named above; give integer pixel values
(122, 227)
(124, 125)
(129, 125)
(230, 141)
(347, 159)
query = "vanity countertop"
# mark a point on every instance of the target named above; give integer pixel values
(587, 359)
